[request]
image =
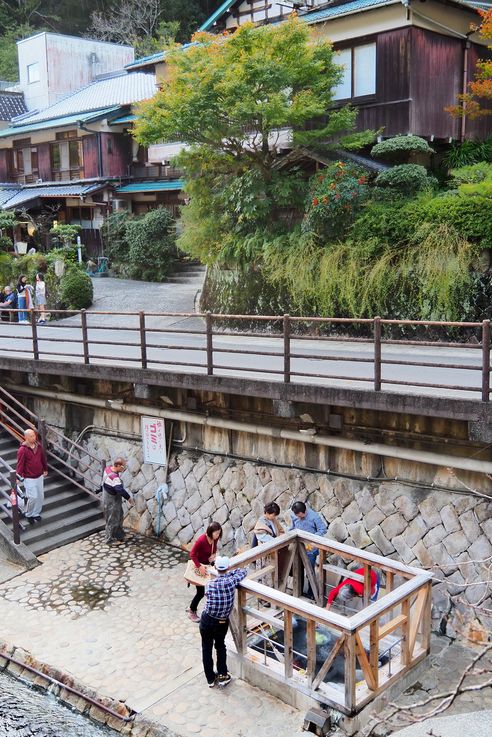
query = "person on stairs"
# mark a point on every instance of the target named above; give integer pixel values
(32, 468)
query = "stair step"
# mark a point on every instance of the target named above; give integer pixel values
(44, 530)
(65, 537)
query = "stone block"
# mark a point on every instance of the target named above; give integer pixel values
(226, 479)
(456, 543)
(197, 521)
(435, 536)
(252, 487)
(331, 510)
(249, 522)
(185, 464)
(149, 489)
(404, 553)
(215, 473)
(230, 498)
(415, 531)
(382, 542)
(200, 469)
(384, 501)
(326, 486)
(338, 530)
(441, 558)
(218, 496)
(264, 475)
(463, 503)
(194, 502)
(487, 528)
(365, 500)
(311, 482)
(186, 535)
(344, 491)
(450, 518)
(172, 529)
(161, 476)
(208, 509)
(280, 479)
(393, 525)
(191, 485)
(422, 555)
(140, 502)
(227, 533)
(407, 506)
(236, 518)
(152, 507)
(359, 535)
(183, 516)
(176, 480)
(373, 518)
(243, 504)
(430, 513)
(474, 594)
(469, 525)
(178, 497)
(205, 489)
(240, 539)
(483, 511)
(145, 523)
(147, 471)
(136, 483)
(221, 515)
(480, 549)
(352, 513)
(455, 583)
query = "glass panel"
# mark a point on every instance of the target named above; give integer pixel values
(365, 70)
(55, 157)
(34, 160)
(344, 88)
(33, 72)
(74, 154)
(19, 161)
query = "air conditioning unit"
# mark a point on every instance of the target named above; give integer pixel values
(120, 205)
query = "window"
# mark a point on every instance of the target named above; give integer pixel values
(66, 157)
(359, 72)
(33, 72)
(24, 161)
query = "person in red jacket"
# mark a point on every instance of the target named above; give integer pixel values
(349, 588)
(32, 468)
(203, 552)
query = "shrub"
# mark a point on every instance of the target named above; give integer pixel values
(469, 152)
(335, 196)
(470, 216)
(76, 292)
(151, 240)
(65, 235)
(405, 178)
(472, 174)
(116, 246)
(391, 222)
(399, 148)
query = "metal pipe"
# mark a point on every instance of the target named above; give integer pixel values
(408, 454)
(56, 682)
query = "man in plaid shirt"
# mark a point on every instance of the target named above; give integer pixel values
(214, 621)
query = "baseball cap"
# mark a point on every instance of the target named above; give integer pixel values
(222, 563)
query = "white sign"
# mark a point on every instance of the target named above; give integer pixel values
(154, 440)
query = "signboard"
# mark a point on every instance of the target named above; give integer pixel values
(154, 440)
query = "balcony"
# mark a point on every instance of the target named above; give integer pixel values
(155, 171)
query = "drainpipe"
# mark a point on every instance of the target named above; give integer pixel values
(99, 147)
(466, 47)
(380, 449)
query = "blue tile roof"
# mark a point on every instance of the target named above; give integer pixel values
(167, 185)
(130, 118)
(16, 128)
(155, 58)
(345, 9)
(26, 194)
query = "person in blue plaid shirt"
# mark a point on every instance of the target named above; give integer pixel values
(214, 621)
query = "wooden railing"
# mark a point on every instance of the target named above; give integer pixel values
(343, 660)
(289, 349)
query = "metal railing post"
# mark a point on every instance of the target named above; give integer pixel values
(143, 339)
(42, 433)
(377, 354)
(15, 507)
(210, 346)
(85, 335)
(485, 360)
(287, 349)
(34, 329)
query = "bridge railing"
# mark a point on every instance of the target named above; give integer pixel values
(284, 350)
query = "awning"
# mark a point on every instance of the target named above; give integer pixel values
(21, 197)
(166, 185)
(130, 118)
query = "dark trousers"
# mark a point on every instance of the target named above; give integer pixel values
(200, 593)
(213, 632)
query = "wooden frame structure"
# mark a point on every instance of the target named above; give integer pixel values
(375, 646)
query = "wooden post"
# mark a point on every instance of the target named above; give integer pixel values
(210, 347)
(427, 620)
(85, 335)
(286, 349)
(377, 354)
(405, 632)
(367, 585)
(241, 622)
(276, 577)
(143, 339)
(374, 650)
(311, 651)
(34, 329)
(15, 507)
(288, 647)
(297, 578)
(350, 673)
(485, 360)
(321, 577)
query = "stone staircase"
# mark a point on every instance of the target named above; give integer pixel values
(187, 272)
(68, 514)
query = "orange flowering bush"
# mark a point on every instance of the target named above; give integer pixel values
(335, 197)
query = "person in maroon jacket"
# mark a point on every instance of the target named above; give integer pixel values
(203, 552)
(32, 468)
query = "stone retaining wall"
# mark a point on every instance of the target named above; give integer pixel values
(449, 531)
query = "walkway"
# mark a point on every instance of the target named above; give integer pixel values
(115, 619)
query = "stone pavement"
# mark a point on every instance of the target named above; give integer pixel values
(114, 619)
(477, 724)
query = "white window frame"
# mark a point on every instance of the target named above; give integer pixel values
(355, 85)
(33, 73)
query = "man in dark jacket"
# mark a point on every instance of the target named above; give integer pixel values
(32, 468)
(113, 495)
(8, 301)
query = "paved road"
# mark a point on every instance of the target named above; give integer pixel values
(178, 343)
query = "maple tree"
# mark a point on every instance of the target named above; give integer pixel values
(473, 103)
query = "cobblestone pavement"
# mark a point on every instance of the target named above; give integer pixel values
(114, 618)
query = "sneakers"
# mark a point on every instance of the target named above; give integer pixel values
(211, 684)
(224, 680)
(193, 616)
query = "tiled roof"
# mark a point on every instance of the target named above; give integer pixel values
(120, 89)
(7, 193)
(166, 185)
(333, 11)
(11, 105)
(17, 128)
(155, 58)
(130, 118)
(21, 196)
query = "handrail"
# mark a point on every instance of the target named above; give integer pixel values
(290, 362)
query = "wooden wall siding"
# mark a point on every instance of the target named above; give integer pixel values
(481, 127)
(5, 165)
(89, 144)
(394, 118)
(44, 162)
(116, 154)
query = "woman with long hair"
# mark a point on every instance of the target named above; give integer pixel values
(203, 552)
(40, 297)
(22, 298)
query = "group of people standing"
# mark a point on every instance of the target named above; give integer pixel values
(24, 297)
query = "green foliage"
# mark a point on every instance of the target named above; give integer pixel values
(8, 50)
(400, 147)
(64, 235)
(408, 179)
(76, 291)
(151, 239)
(472, 173)
(113, 231)
(470, 216)
(469, 152)
(335, 196)
(359, 139)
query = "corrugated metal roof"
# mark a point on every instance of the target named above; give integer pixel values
(26, 194)
(15, 130)
(167, 185)
(11, 105)
(345, 9)
(7, 193)
(224, 8)
(120, 89)
(152, 59)
(124, 119)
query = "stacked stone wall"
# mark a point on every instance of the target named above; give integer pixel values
(446, 531)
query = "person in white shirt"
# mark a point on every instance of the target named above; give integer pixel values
(40, 297)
